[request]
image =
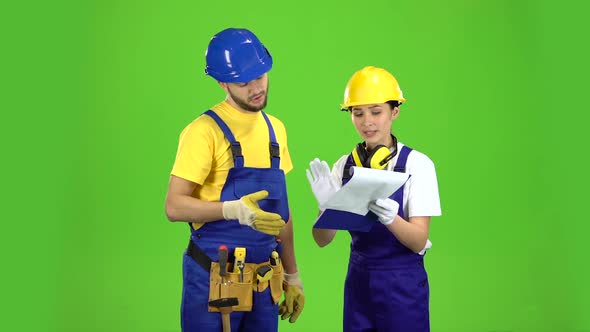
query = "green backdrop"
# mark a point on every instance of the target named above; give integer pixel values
(97, 92)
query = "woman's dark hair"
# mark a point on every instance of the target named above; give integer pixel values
(394, 103)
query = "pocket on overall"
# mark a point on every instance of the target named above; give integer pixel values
(238, 285)
(276, 202)
(245, 187)
(276, 283)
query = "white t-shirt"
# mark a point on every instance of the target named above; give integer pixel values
(421, 197)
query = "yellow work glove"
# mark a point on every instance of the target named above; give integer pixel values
(294, 301)
(247, 212)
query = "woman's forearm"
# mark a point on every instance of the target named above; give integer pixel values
(412, 234)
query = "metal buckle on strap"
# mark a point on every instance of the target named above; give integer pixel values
(236, 149)
(274, 150)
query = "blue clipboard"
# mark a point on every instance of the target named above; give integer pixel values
(335, 219)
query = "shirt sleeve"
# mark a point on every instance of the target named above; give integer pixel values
(195, 153)
(286, 163)
(423, 196)
(338, 168)
(281, 132)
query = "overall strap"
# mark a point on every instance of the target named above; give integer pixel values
(236, 148)
(402, 158)
(400, 166)
(273, 146)
(346, 170)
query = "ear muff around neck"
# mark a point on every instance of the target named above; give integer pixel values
(377, 158)
(359, 155)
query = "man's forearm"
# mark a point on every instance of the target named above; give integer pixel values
(288, 252)
(190, 209)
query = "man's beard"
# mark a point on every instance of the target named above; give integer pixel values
(247, 107)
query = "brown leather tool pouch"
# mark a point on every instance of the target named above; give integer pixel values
(276, 283)
(237, 285)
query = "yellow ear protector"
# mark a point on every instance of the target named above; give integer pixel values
(376, 158)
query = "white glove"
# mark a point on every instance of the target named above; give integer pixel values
(385, 209)
(426, 247)
(322, 183)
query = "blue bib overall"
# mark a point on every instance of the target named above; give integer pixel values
(259, 246)
(386, 288)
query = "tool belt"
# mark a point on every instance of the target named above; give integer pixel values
(241, 285)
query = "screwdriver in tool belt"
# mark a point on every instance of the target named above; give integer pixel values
(239, 261)
(222, 254)
(274, 258)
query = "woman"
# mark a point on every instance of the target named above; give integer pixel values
(386, 287)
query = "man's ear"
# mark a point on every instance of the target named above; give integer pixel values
(223, 85)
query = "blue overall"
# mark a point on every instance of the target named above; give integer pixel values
(386, 288)
(259, 246)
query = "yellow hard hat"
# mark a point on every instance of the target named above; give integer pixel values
(371, 85)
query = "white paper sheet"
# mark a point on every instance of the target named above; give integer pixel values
(365, 185)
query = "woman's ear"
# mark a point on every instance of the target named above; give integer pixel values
(395, 112)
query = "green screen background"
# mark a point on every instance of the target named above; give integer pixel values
(97, 92)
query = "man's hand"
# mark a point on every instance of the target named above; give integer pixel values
(247, 212)
(294, 301)
(322, 183)
(385, 209)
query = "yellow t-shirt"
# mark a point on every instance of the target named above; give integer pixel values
(204, 155)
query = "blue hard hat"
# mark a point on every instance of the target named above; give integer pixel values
(236, 56)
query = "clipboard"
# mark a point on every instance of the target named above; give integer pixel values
(348, 208)
(342, 220)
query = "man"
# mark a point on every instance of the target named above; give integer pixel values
(228, 183)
